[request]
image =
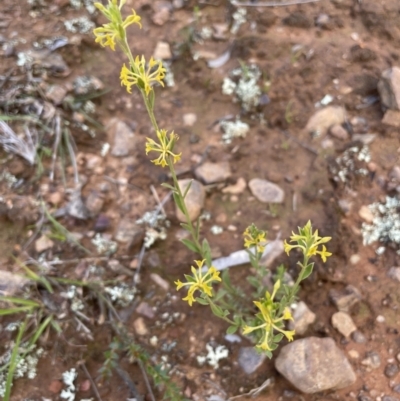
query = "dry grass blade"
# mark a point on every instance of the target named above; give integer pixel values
(12, 143)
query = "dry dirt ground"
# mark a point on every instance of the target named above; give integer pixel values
(305, 52)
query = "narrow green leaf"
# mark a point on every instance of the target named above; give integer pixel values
(190, 245)
(187, 189)
(278, 338)
(201, 301)
(217, 310)
(152, 98)
(178, 202)
(19, 301)
(254, 281)
(307, 271)
(40, 330)
(11, 311)
(231, 329)
(197, 228)
(13, 362)
(206, 251)
(165, 185)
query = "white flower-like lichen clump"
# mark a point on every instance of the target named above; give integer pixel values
(104, 245)
(245, 86)
(121, 294)
(385, 226)
(214, 355)
(25, 366)
(233, 129)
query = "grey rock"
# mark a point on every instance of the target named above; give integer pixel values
(315, 364)
(345, 299)
(324, 119)
(211, 173)
(343, 323)
(358, 337)
(391, 370)
(372, 360)
(87, 84)
(389, 88)
(394, 273)
(363, 397)
(76, 207)
(302, 318)
(122, 136)
(94, 203)
(396, 388)
(365, 139)
(128, 232)
(250, 360)
(194, 199)
(390, 398)
(11, 283)
(266, 191)
(146, 310)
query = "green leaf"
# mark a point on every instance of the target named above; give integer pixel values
(178, 202)
(187, 189)
(254, 281)
(278, 338)
(206, 251)
(152, 98)
(165, 185)
(13, 362)
(307, 271)
(185, 226)
(201, 301)
(190, 245)
(40, 330)
(217, 310)
(11, 311)
(231, 329)
(20, 301)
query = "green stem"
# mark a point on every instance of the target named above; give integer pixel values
(192, 230)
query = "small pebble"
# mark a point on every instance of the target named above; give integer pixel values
(380, 319)
(391, 370)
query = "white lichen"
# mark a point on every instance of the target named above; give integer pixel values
(239, 18)
(216, 230)
(104, 245)
(385, 226)
(121, 294)
(243, 83)
(214, 355)
(233, 129)
(79, 25)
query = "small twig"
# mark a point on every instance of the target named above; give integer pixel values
(272, 4)
(56, 144)
(126, 378)
(305, 146)
(6, 77)
(155, 194)
(69, 139)
(96, 392)
(146, 380)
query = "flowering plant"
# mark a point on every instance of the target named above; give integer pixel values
(230, 303)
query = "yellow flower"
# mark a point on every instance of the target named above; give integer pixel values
(271, 322)
(115, 30)
(164, 147)
(254, 237)
(199, 281)
(308, 241)
(141, 76)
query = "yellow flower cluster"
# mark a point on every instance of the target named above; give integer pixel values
(164, 147)
(268, 309)
(142, 77)
(199, 281)
(308, 242)
(254, 237)
(115, 30)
